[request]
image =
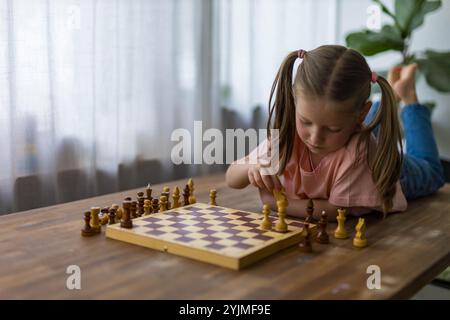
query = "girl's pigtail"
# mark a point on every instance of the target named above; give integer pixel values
(283, 109)
(387, 160)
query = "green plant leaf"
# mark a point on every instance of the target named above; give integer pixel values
(410, 13)
(385, 9)
(427, 7)
(370, 43)
(436, 68)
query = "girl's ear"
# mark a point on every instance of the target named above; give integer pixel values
(365, 110)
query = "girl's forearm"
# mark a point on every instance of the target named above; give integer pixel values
(237, 175)
(297, 207)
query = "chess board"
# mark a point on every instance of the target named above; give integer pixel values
(218, 235)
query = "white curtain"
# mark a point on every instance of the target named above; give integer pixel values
(91, 90)
(256, 35)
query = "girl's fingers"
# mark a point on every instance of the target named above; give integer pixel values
(276, 183)
(258, 180)
(409, 71)
(268, 183)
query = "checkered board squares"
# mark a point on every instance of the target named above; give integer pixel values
(217, 235)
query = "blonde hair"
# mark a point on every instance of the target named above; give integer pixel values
(340, 74)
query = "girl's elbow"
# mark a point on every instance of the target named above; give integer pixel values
(231, 179)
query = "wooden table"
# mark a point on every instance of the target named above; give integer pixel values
(37, 246)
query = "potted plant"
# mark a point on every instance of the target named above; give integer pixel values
(408, 15)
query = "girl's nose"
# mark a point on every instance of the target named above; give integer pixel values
(316, 137)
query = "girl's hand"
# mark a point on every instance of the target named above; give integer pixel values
(402, 80)
(269, 182)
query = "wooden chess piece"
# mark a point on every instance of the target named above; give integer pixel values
(140, 201)
(133, 210)
(309, 211)
(186, 193)
(266, 224)
(155, 205)
(95, 222)
(104, 217)
(360, 240)
(340, 232)
(322, 235)
(176, 197)
(118, 211)
(305, 245)
(148, 192)
(166, 193)
(112, 216)
(162, 203)
(192, 199)
(281, 225)
(126, 221)
(147, 207)
(87, 231)
(212, 197)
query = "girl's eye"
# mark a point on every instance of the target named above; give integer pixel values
(306, 123)
(333, 130)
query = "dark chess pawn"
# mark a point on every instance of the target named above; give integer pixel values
(186, 193)
(155, 205)
(87, 231)
(126, 221)
(112, 216)
(322, 236)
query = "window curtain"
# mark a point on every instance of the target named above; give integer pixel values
(256, 35)
(91, 90)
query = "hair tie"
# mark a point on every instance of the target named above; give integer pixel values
(374, 77)
(301, 53)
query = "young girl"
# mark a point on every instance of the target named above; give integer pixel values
(330, 151)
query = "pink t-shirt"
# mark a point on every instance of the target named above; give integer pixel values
(335, 178)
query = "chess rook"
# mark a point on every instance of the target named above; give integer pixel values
(126, 221)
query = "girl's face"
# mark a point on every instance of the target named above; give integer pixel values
(326, 126)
